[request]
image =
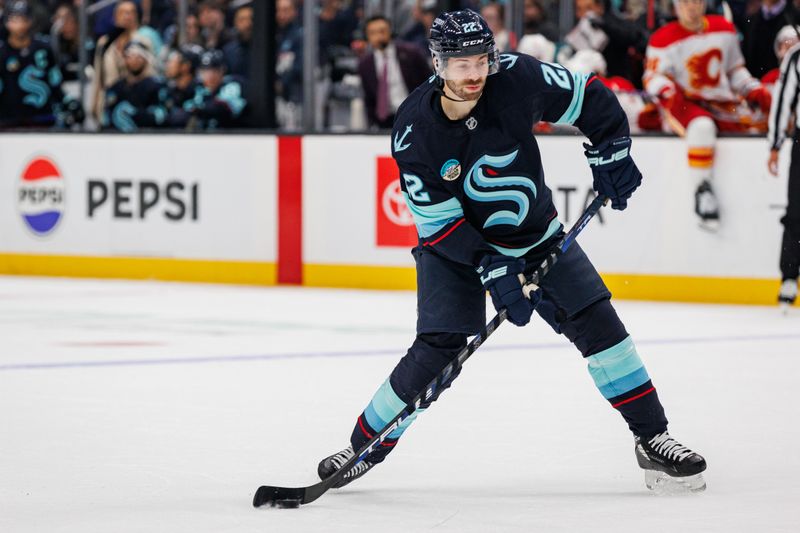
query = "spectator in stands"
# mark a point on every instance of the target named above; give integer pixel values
(237, 51)
(219, 102)
(139, 99)
(505, 40)
(337, 24)
(65, 40)
(211, 16)
(389, 72)
(759, 32)
(424, 13)
(109, 62)
(182, 84)
(599, 29)
(787, 37)
(289, 65)
(535, 21)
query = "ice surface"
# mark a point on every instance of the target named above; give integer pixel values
(145, 406)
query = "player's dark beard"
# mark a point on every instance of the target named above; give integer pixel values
(458, 89)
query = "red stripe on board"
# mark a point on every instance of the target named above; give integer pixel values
(290, 210)
(457, 224)
(645, 393)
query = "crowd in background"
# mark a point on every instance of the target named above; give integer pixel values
(144, 74)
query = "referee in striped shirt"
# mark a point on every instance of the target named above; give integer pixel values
(785, 106)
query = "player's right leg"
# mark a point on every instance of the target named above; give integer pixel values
(701, 136)
(451, 304)
(697, 125)
(790, 245)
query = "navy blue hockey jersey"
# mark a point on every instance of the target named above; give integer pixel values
(141, 104)
(475, 186)
(30, 84)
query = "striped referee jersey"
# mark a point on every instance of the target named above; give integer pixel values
(785, 98)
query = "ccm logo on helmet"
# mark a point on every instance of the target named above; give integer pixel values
(472, 43)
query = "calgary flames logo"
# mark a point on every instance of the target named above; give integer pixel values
(704, 69)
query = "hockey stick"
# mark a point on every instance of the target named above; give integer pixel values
(288, 497)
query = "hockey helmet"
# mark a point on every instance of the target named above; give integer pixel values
(461, 34)
(19, 8)
(191, 53)
(212, 59)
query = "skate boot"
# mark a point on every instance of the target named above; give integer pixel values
(669, 467)
(706, 206)
(787, 294)
(328, 466)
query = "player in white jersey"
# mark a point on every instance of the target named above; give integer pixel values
(696, 70)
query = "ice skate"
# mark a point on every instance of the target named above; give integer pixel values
(669, 467)
(707, 207)
(328, 466)
(787, 294)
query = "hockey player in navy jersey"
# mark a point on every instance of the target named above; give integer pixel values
(30, 79)
(140, 99)
(472, 177)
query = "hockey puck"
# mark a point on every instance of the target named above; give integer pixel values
(287, 504)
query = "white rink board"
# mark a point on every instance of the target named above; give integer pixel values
(339, 191)
(234, 216)
(657, 234)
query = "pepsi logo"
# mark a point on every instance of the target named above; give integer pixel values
(40, 195)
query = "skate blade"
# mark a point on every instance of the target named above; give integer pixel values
(711, 226)
(661, 483)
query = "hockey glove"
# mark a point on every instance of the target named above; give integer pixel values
(615, 173)
(760, 97)
(502, 276)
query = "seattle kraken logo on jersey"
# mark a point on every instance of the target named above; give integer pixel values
(483, 174)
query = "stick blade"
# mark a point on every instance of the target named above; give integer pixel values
(268, 495)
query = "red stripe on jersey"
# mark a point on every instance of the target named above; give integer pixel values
(448, 232)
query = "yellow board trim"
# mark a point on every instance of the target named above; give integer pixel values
(622, 286)
(194, 270)
(360, 277)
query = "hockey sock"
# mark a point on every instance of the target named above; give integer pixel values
(428, 355)
(383, 407)
(622, 379)
(701, 135)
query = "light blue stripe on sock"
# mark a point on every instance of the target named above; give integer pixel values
(624, 384)
(614, 363)
(618, 369)
(384, 406)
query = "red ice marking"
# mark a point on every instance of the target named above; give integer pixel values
(109, 344)
(645, 393)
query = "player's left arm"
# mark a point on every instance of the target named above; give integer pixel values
(583, 101)
(742, 82)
